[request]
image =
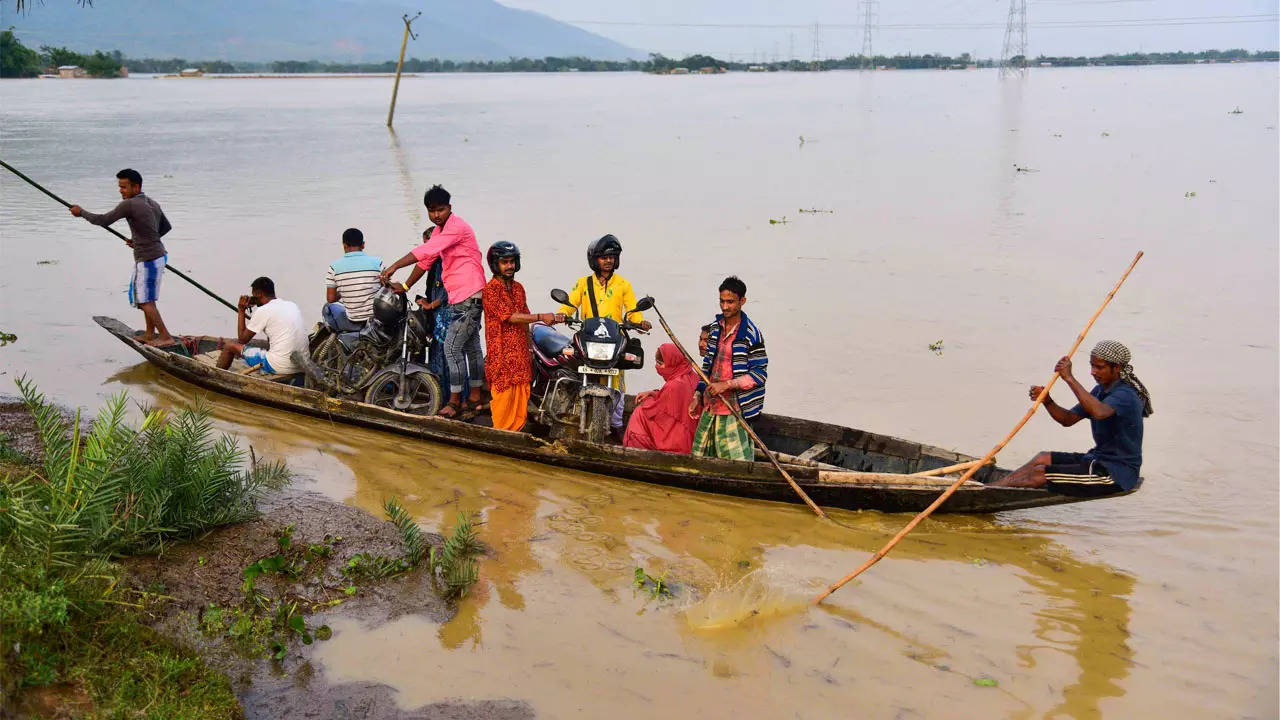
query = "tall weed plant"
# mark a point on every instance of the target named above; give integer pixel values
(111, 490)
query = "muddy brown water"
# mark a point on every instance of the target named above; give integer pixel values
(1162, 604)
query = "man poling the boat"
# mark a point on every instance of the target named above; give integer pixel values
(147, 224)
(737, 365)
(1115, 408)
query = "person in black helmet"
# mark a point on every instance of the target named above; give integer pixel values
(508, 363)
(611, 295)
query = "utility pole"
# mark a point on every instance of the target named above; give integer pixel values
(1013, 59)
(791, 47)
(395, 89)
(871, 16)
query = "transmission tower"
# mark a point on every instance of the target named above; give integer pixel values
(870, 18)
(817, 43)
(1014, 56)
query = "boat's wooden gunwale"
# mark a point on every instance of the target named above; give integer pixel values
(850, 490)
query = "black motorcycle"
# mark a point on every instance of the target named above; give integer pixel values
(377, 364)
(570, 392)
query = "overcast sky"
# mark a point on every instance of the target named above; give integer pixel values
(1098, 26)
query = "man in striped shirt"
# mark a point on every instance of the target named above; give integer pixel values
(738, 366)
(350, 284)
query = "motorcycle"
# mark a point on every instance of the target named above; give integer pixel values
(570, 394)
(373, 366)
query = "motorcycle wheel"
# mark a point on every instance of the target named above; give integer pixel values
(358, 369)
(328, 359)
(598, 415)
(425, 393)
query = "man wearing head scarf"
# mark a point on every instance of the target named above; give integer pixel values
(661, 419)
(1115, 408)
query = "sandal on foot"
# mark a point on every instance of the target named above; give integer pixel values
(457, 410)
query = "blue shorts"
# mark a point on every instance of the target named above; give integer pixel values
(255, 356)
(144, 286)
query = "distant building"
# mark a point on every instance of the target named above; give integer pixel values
(680, 71)
(756, 68)
(1046, 64)
(71, 71)
(191, 72)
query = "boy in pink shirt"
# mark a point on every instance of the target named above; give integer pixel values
(454, 243)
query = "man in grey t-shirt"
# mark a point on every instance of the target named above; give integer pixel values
(147, 224)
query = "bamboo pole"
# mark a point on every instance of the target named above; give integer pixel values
(395, 89)
(952, 468)
(999, 446)
(168, 267)
(738, 414)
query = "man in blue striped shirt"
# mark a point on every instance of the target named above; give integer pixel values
(350, 285)
(737, 364)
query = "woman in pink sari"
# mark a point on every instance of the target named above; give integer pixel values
(661, 419)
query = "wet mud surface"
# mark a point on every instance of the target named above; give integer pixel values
(209, 571)
(191, 576)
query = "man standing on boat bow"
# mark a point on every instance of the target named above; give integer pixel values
(147, 224)
(737, 364)
(1115, 407)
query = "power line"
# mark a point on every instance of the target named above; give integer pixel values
(1046, 24)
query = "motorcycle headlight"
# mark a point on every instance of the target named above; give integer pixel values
(599, 351)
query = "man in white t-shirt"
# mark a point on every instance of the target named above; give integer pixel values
(280, 320)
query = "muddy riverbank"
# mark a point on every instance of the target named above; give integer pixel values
(190, 583)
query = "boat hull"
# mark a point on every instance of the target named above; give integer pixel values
(883, 490)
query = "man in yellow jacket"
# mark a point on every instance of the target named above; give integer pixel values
(614, 297)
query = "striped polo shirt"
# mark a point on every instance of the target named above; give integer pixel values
(355, 276)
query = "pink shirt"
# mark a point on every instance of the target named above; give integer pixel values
(455, 245)
(722, 369)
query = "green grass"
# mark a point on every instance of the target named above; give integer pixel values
(129, 671)
(113, 490)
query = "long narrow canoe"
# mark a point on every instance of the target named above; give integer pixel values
(838, 467)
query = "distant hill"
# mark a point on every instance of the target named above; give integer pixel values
(330, 30)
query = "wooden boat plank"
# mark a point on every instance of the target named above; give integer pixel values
(755, 480)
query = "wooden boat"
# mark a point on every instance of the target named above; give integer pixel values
(838, 467)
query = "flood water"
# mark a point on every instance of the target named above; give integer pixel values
(993, 216)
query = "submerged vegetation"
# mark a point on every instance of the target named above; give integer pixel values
(98, 493)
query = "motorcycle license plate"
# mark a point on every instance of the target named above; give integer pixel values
(587, 370)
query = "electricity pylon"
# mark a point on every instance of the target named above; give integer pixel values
(1014, 56)
(870, 17)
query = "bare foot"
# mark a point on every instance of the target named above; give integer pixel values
(165, 341)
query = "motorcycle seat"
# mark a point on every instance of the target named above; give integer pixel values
(548, 341)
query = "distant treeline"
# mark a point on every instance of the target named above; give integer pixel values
(19, 61)
(661, 63)
(1166, 58)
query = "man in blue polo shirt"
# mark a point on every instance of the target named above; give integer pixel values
(350, 285)
(1115, 408)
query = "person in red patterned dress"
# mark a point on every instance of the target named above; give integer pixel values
(508, 363)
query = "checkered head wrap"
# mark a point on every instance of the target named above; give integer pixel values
(1116, 353)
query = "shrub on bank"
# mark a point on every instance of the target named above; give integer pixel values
(99, 493)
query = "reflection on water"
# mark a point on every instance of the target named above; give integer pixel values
(1146, 606)
(556, 605)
